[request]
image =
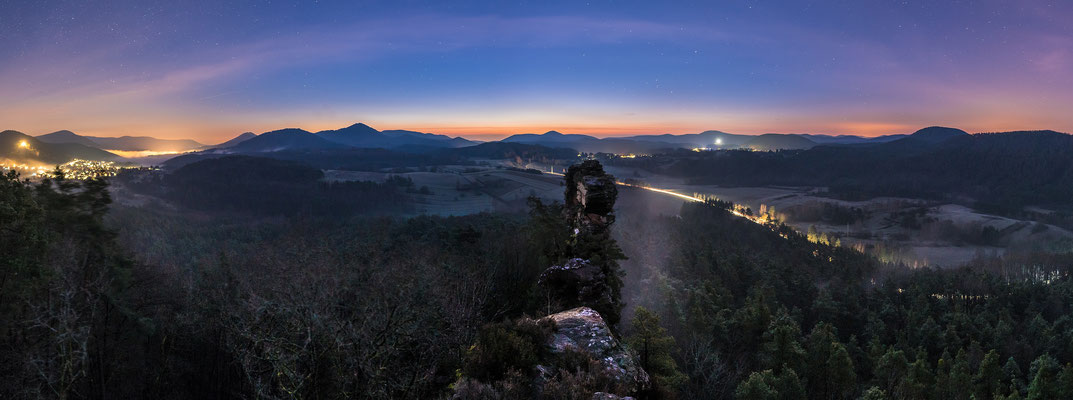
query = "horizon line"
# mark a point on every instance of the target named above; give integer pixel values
(497, 134)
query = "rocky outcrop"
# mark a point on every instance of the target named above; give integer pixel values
(577, 282)
(591, 277)
(570, 354)
(583, 329)
(590, 197)
(578, 353)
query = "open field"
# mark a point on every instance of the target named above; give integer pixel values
(458, 191)
(912, 231)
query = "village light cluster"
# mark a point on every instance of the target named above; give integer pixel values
(85, 169)
(30, 171)
(74, 169)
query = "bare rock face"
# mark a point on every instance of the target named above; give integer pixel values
(591, 277)
(590, 197)
(583, 329)
(577, 282)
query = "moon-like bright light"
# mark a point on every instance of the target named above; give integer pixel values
(719, 142)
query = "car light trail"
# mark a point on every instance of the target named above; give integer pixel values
(732, 210)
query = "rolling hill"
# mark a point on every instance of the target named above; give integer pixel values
(236, 140)
(145, 143)
(589, 144)
(508, 150)
(67, 137)
(283, 140)
(691, 140)
(774, 141)
(361, 135)
(23, 148)
(936, 134)
(123, 143)
(706, 139)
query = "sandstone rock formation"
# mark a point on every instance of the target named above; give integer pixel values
(590, 197)
(577, 282)
(591, 277)
(583, 329)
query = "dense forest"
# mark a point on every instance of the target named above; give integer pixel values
(103, 301)
(374, 159)
(267, 187)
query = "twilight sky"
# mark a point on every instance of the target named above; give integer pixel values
(209, 70)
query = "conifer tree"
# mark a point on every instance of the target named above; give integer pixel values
(654, 348)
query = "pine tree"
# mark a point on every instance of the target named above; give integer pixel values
(781, 347)
(842, 380)
(890, 371)
(919, 382)
(960, 382)
(1012, 373)
(1066, 381)
(942, 376)
(829, 370)
(873, 393)
(758, 386)
(769, 385)
(654, 347)
(989, 378)
(1045, 383)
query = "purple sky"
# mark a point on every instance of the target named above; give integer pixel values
(208, 71)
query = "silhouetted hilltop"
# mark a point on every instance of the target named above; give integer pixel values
(285, 139)
(774, 141)
(144, 143)
(23, 148)
(707, 139)
(66, 136)
(123, 143)
(937, 133)
(361, 135)
(549, 137)
(236, 140)
(506, 150)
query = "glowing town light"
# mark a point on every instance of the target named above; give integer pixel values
(719, 142)
(24, 144)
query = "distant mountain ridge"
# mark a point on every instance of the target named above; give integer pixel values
(361, 135)
(23, 148)
(66, 136)
(652, 143)
(284, 139)
(122, 143)
(236, 140)
(358, 135)
(774, 141)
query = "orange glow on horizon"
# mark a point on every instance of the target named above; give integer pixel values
(215, 132)
(143, 153)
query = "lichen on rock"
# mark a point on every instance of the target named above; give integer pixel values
(583, 329)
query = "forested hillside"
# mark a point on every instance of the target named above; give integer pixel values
(756, 316)
(245, 185)
(997, 172)
(148, 303)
